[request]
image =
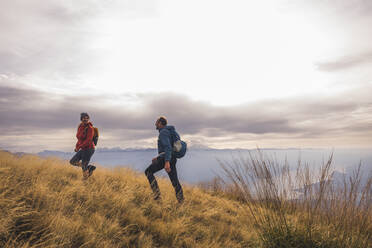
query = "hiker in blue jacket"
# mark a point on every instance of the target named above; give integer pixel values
(166, 159)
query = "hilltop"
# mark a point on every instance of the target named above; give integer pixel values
(45, 203)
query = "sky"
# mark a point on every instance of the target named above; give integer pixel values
(227, 74)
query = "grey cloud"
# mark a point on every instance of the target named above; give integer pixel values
(38, 35)
(31, 110)
(341, 7)
(46, 111)
(53, 38)
(193, 116)
(359, 7)
(49, 38)
(346, 62)
(349, 21)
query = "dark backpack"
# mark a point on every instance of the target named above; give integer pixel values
(179, 146)
(95, 136)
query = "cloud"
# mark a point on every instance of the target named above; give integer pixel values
(37, 36)
(344, 27)
(26, 111)
(346, 62)
(343, 8)
(34, 109)
(44, 40)
(56, 38)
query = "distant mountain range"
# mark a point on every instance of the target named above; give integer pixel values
(202, 164)
(200, 148)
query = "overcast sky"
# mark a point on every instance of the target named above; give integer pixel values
(227, 74)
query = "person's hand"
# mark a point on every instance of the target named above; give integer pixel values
(154, 160)
(167, 166)
(76, 150)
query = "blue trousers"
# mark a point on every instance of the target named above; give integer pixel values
(159, 165)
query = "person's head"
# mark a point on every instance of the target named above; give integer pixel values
(84, 117)
(161, 122)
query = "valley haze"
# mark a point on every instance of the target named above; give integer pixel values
(202, 165)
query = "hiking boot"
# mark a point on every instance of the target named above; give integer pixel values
(91, 168)
(179, 197)
(180, 201)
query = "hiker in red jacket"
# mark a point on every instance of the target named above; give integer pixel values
(85, 146)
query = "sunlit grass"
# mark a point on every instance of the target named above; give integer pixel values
(45, 203)
(300, 206)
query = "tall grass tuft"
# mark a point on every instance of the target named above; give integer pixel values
(300, 206)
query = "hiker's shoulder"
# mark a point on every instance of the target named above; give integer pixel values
(170, 128)
(164, 131)
(80, 126)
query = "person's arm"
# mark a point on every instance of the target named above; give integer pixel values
(78, 134)
(165, 141)
(88, 139)
(78, 141)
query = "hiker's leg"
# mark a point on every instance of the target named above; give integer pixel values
(174, 179)
(149, 172)
(85, 158)
(91, 168)
(75, 160)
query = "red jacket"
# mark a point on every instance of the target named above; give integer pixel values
(85, 136)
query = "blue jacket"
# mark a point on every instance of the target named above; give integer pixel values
(165, 142)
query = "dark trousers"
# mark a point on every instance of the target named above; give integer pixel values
(84, 156)
(159, 165)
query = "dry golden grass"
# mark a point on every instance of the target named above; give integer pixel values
(302, 208)
(45, 203)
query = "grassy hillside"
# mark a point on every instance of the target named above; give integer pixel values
(44, 203)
